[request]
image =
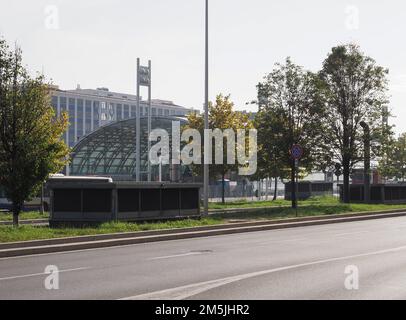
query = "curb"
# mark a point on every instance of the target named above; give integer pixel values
(25, 222)
(110, 240)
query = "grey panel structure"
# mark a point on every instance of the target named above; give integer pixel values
(82, 200)
(379, 193)
(307, 189)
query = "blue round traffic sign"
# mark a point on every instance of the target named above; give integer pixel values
(296, 151)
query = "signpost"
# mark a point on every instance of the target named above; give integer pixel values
(143, 80)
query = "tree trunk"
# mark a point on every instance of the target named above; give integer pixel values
(41, 207)
(293, 184)
(338, 188)
(16, 212)
(223, 201)
(346, 162)
(266, 188)
(346, 182)
(275, 192)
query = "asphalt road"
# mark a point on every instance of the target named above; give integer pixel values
(297, 263)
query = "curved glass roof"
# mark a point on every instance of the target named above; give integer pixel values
(110, 150)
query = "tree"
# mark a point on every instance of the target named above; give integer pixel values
(288, 114)
(30, 135)
(272, 146)
(221, 116)
(393, 163)
(352, 89)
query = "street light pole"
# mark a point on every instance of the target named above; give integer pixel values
(137, 129)
(149, 118)
(206, 115)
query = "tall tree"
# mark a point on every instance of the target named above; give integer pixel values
(352, 89)
(30, 135)
(288, 114)
(221, 116)
(272, 157)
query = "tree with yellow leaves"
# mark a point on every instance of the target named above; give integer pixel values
(221, 116)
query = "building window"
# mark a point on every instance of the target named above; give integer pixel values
(55, 104)
(63, 108)
(103, 111)
(153, 112)
(111, 112)
(126, 111)
(88, 116)
(159, 112)
(119, 112)
(71, 130)
(166, 112)
(96, 114)
(133, 111)
(79, 118)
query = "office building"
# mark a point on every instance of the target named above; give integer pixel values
(89, 109)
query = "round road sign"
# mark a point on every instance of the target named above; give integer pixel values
(296, 151)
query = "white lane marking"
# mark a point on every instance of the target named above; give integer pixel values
(178, 255)
(349, 233)
(183, 292)
(41, 274)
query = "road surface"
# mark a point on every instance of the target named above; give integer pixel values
(298, 263)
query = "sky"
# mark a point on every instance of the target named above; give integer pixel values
(96, 43)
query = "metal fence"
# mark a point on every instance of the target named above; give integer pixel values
(249, 191)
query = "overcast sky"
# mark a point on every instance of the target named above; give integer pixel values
(96, 43)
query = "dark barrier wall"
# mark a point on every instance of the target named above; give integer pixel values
(79, 200)
(380, 193)
(307, 189)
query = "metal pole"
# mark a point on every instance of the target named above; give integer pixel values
(149, 118)
(42, 199)
(160, 169)
(206, 113)
(137, 129)
(296, 183)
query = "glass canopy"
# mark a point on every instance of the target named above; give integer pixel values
(110, 150)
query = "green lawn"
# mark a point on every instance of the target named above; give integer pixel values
(307, 209)
(24, 215)
(248, 204)
(324, 200)
(27, 232)
(270, 210)
(325, 205)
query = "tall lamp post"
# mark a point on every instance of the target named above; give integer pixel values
(206, 116)
(367, 161)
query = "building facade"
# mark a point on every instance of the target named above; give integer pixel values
(90, 109)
